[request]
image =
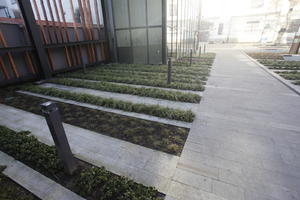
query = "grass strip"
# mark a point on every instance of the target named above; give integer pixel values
(9, 190)
(144, 92)
(88, 181)
(154, 110)
(162, 137)
(136, 81)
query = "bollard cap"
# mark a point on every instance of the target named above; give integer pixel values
(48, 106)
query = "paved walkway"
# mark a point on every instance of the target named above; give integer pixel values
(245, 141)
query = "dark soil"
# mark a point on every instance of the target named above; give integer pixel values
(162, 137)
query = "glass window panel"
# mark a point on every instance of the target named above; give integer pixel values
(139, 42)
(155, 45)
(120, 9)
(154, 12)
(137, 13)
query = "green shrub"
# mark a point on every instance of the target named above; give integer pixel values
(290, 75)
(154, 110)
(145, 92)
(94, 182)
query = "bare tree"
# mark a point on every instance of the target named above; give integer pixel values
(285, 24)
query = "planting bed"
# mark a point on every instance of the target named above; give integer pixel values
(286, 69)
(279, 64)
(184, 77)
(154, 110)
(162, 137)
(136, 81)
(9, 190)
(290, 75)
(124, 89)
(88, 181)
(264, 55)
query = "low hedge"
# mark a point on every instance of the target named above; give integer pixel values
(154, 110)
(145, 92)
(297, 82)
(90, 182)
(136, 81)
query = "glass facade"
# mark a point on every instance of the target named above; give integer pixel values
(139, 30)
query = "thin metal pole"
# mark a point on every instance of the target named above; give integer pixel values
(191, 57)
(69, 62)
(76, 33)
(177, 14)
(74, 50)
(169, 70)
(43, 34)
(172, 26)
(101, 52)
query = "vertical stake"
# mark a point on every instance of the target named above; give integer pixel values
(169, 70)
(51, 113)
(191, 57)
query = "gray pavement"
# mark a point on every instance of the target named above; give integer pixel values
(245, 141)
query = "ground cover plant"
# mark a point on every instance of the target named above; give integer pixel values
(297, 82)
(154, 135)
(265, 55)
(154, 110)
(136, 81)
(150, 75)
(124, 89)
(280, 64)
(9, 190)
(90, 182)
(290, 75)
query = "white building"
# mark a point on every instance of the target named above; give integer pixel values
(261, 22)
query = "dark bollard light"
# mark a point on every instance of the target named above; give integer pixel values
(51, 113)
(191, 57)
(200, 51)
(169, 70)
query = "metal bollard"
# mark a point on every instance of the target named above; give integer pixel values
(169, 70)
(84, 68)
(204, 49)
(200, 51)
(191, 57)
(51, 113)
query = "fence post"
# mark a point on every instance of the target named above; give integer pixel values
(51, 113)
(35, 37)
(191, 57)
(169, 70)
